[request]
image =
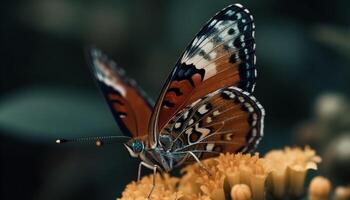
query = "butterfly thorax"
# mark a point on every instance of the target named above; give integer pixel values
(157, 155)
(162, 154)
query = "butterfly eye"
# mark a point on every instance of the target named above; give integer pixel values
(137, 146)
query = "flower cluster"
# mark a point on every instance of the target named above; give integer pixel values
(165, 188)
(225, 172)
(280, 173)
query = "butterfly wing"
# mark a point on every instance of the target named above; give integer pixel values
(222, 54)
(128, 103)
(227, 120)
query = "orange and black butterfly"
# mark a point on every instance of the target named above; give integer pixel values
(205, 107)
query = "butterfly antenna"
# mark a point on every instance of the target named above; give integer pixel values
(99, 141)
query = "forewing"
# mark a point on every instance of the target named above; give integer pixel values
(222, 54)
(227, 120)
(128, 103)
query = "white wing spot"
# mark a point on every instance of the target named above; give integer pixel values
(212, 23)
(203, 109)
(230, 94)
(213, 54)
(189, 131)
(177, 125)
(241, 99)
(216, 112)
(230, 13)
(203, 131)
(249, 107)
(210, 146)
(255, 116)
(209, 120)
(254, 123)
(228, 136)
(185, 114)
(207, 47)
(114, 84)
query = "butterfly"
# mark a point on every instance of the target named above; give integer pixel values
(205, 107)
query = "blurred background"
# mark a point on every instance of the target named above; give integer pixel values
(303, 60)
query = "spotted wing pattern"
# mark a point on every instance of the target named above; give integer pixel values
(227, 120)
(222, 54)
(128, 103)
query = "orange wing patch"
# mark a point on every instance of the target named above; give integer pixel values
(129, 104)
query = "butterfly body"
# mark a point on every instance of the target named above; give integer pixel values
(159, 156)
(205, 107)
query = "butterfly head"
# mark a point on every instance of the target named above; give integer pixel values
(135, 147)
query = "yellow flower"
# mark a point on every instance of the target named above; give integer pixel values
(245, 169)
(241, 176)
(165, 189)
(288, 168)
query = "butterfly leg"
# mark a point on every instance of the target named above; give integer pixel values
(139, 171)
(199, 162)
(140, 168)
(154, 180)
(154, 168)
